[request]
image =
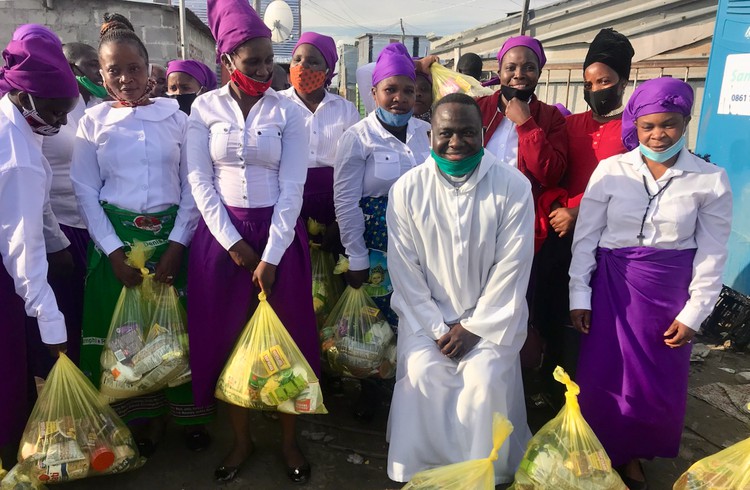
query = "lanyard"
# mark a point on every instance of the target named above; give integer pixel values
(651, 198)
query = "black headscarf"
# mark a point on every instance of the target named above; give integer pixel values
(613, 49)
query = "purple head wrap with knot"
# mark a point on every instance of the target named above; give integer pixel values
(195, 69)
(393, 61)
(526, 41)
(654, 96)
(327, 47)
(233, 22)
(36, 65)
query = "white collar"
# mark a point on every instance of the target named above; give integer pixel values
(292, 94)
(161, 109)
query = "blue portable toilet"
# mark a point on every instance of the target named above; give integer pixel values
(724, 128)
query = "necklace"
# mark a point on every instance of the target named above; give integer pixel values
(651, 198)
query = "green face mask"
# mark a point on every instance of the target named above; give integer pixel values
(93, 88)
(459, 168)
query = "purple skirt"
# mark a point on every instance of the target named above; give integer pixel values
(16, 390)
(222, 297)
(317, 201)
(633, 386)
(69, 295)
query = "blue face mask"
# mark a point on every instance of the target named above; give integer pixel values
(662, 156)
(392, 119)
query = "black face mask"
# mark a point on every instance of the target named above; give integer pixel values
(604, 101)
(520, 94)
(185, 101)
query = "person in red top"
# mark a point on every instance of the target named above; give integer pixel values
(520, 130)
(592, 136)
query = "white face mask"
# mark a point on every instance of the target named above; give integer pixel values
(35, 121)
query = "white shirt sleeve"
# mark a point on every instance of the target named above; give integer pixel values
(592, 220)
(22, 199)
(353, 116)
(348, 178)
(292, 176)
(87, 183)
(711, 236)
(54, 239)
(201, 178)
(415, 306)
(187, 213)
(498, 313)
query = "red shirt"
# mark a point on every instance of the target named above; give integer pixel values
(589, 142)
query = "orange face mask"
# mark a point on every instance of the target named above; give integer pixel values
(305, 80)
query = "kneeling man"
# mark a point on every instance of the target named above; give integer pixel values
(460, 246)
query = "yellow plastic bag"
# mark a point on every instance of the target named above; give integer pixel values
(356, 339)
(267, 371)
(445, 81)
(146, 347)
(71, 434)
(565, 454)
(476, 474)
(326, 287)
(728, 469)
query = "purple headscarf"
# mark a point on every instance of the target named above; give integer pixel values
(195, 69)
(35, 30)
(393, 61)
(563, 110)
(654, 97)
(525, 41)
(327, 47)
(38, 67)
(233, 22)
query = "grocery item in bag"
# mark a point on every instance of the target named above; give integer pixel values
(728, 469)
(565, 454)
(267, 371)
(71, 434)
(445, 81)
(476, 474)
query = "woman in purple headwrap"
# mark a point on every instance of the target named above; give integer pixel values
(371, 156)
(648, 253)
(187, 79)
(327, 116)
(32, 107)
(247, 155)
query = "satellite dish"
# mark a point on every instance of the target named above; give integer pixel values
(279, 18)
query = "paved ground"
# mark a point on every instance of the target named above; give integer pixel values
(338, 436)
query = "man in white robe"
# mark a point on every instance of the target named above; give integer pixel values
(460, 246)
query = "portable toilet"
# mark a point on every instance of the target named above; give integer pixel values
(724, 128)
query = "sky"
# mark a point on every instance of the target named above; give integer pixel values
(346, 19)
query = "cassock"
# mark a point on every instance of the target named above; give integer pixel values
(458, 253)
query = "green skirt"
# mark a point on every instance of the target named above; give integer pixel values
(100, 297)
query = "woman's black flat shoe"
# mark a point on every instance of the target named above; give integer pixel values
(300, 474)
(226, 473)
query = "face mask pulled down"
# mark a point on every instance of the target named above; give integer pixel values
(662, 156)
(247, 85)
(391, 119)
(511, 93)
(35, 121)
(92, 87)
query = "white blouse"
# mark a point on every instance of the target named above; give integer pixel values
(504, 142)
(132, 158)
(58, 150)
(693, 212)
(256, 162)
(368, 161)
(25, 179)
(325, 126)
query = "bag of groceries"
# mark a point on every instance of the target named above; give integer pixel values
(446, 81)
(565, 454)
(71, 434)
(267, 371)
(146, 346)
(326, 287)
(476, 474)
(728, 469)
(356, 339)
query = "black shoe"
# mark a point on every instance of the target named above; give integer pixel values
(300, 474)
(226, 474)
(197, 441)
